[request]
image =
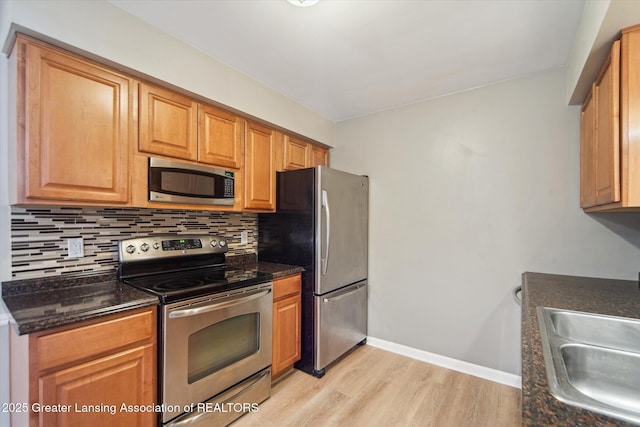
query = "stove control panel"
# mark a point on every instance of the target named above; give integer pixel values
(164, 246)
(181, 244)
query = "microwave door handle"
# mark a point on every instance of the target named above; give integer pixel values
(325, 205)
(217, 305)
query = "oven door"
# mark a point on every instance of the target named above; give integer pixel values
(212, 343)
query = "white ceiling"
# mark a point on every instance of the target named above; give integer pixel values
(348, 58)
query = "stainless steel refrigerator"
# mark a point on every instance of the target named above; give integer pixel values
(322, 224)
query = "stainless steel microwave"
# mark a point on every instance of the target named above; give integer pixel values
(177, 182)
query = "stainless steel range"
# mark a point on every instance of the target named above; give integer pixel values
(214, 327)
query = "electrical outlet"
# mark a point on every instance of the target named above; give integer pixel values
(244, 237)
(75, 247)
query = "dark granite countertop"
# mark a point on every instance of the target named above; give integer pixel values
(603, 296)
(40, 304)
(250, 262)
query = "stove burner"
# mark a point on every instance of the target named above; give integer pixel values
(172, 285)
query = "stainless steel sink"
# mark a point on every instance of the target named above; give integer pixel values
(593, 361)
(604, 331)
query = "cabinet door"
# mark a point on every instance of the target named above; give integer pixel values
(92, 340)
(296, 153)
(220, 137)
(286, 333)
(630, 116)
(94, 392)
(607, 146)
(260, 174)
(76, 117)
(587, 153)
(168, 123)
(318, 156)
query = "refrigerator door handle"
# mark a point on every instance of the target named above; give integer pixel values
(343, 295)
(325, 206)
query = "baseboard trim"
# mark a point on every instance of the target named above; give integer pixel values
(449, 363)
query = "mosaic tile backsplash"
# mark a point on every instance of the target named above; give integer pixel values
(39, 235)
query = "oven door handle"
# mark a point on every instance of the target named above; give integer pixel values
(228, 397)
(217, 305)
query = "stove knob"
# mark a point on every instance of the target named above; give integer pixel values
(222, 243)
(131, 249)
(214, 243)
(144, 247)
(156, 246)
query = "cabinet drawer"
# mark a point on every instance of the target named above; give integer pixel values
(286, 286)
(68, 346)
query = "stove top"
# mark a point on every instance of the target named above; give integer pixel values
(176, 286)
(179, 267)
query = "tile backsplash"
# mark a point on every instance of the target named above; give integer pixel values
(39, 235)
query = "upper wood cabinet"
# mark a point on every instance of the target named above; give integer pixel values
(607, 141)
(318, 156)
(221, 135)
(299, 154)
(73, 146)
(600, 137)
(176, 126)
(296, 153)
(587, 152)
(82, 134)
(610, 130)
(168, 123)
(260, 170)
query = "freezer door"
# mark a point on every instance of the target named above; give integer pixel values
(342, 203)
(341, 322)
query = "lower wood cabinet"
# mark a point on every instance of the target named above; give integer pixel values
(287, 304)
(96, 373)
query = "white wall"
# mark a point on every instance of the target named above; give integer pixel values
(467, 192)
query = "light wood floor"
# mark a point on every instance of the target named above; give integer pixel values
(373, 387)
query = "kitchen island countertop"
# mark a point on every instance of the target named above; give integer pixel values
(603, 296)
